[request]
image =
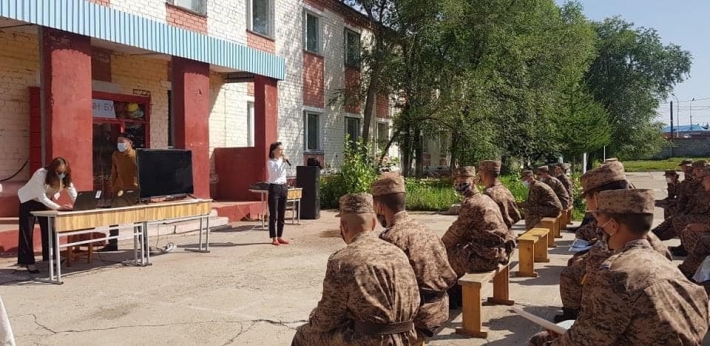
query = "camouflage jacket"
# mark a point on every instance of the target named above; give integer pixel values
(541, 196)
(560, 191)
(687, 191)
(569, 186)
(505, 201)
(631, 304)
(427, 256)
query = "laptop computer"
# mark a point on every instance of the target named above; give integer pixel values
(125, 198)
(87, 200)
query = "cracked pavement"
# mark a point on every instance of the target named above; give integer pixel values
(245, 292)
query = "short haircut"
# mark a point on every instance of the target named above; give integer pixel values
(617, 185)
(394, 201)
(491, 174)
(355, 221)
(636, 223)
(273, 147)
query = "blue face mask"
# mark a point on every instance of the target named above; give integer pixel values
(62, 175)
(122, 146)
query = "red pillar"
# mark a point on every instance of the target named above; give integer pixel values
(266, 117)
(191, 111)
(66, 86)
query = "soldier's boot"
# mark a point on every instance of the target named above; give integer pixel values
(679, 251)
(455, 297)
(567, 314)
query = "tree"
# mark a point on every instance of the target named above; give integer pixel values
(583, 124)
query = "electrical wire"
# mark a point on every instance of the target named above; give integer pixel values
(16, 173)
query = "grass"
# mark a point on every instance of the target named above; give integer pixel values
(656, 165)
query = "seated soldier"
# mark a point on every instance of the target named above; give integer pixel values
(583, 265)
(684, 201)
(493, 188)
(629, 303)
(478, 241)
(699, 213)
(370, 294)
(556, 185)
(697, 235)
(541, 202)
(561, 175)
(669, 203)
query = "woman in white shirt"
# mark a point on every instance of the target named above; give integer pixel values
(37, 195)
(278, 192)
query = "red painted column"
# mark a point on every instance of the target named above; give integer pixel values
(191, 111)
(66, 88)
(266, 117)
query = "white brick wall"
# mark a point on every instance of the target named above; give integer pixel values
(228, 115)
(19, 70)
(154, 9)
(227, 20)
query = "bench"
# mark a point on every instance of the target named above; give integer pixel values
(471, 289)
(549, 224)
(569, 216)
(553, 224)
(532, 247)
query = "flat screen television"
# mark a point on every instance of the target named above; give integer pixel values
(164, 172)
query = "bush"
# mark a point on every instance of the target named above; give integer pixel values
(356, 175)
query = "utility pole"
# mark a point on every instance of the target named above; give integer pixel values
(691, 114)
(671, 148)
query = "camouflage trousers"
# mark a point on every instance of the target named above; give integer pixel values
(669, 211)
(681, 222)
(665, 230)
(533, 218)
(697, 253)
(579, 269)
(467, 259)
(540, 339)
(308, 335)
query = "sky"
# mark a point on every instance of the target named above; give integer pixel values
(680, 22)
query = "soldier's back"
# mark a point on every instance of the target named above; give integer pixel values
(559, 190)
(506, 203)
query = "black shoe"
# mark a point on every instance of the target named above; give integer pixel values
(108, 248)
(567, 314)
(32, 271)
(679, 251)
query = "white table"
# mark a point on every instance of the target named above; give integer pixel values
(294, 197)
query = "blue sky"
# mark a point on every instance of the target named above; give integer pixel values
(683, 23)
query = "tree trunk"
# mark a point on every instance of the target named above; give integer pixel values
(389, 144)
(418, 153)
(406, 150)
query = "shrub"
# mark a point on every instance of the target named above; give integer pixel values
(355, 175)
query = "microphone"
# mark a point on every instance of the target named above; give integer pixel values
(287, 161)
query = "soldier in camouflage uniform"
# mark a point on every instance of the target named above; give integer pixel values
(581, 266)
(561, 175)
(478, 241)
(425, 250)
(696, 236)
(685, 191)
(541, 202)
(370, 294)
(556, 185)
(669, 203)
(628, 303)
(698, 213)
(493, 188)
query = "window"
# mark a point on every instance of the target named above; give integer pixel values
(352, 48)
(443, 144)
(311, 124)
(260, 17)
(250, 124)
(352, 130)
(197, 6)
(383, 137)
(312, 34)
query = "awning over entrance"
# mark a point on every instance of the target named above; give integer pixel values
(101, 22)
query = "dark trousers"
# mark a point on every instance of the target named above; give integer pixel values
(25, 244)
(277, 209)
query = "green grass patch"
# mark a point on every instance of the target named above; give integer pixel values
(655, 165)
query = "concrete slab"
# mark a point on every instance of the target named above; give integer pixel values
(245, 292)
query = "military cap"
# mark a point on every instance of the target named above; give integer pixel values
(489, 166)
(635, 201)
(543, 169)
(611, 159)
(356, 203)
(704, 172)
(526, 174)
(466, 172)
(699, 164)
(685, 163)
(670, 173)
(602, 175)
(387, 184)
(562, 165)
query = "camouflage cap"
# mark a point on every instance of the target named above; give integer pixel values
(562, 165)
(635, 201)
(543, 169)
(611, 159)
(526, 174)
(704, 172)
(602, 175)
(387, 184)
(670, 173)
(699, 164)
(489, 166)
(465, 172)
(356, 203)
(685, 163)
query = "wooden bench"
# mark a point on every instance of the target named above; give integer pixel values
(569, 216)
(471, 288)
(553, 224)
(548, 223)
(532, 247)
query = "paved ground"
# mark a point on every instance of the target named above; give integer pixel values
(245, 292)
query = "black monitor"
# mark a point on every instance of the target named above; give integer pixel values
(164, 172)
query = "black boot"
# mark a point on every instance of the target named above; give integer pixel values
(455, 297)
(567, 314)
(679, 251)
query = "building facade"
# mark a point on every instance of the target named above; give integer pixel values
(222, 78)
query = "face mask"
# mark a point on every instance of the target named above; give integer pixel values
(669, 180)
(122, 147)
(605, 236)
(62, 175)
(382, 220)
(341, 235)
(462, 187)
(526, 183)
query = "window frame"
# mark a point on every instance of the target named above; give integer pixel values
(201, 11)
(358, 119)
(250, 18)
(346, 61)
(380, 142)
(319, 35)
(319, 138)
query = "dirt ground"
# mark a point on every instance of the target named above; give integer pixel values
(245, 292)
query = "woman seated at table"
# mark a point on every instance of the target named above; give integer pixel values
(38, 195)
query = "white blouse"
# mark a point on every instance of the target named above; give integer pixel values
(277, 171)
(37, 190)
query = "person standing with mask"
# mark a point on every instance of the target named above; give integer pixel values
(424, 249)
(124, 176)
(542, 200)
(479, 240)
